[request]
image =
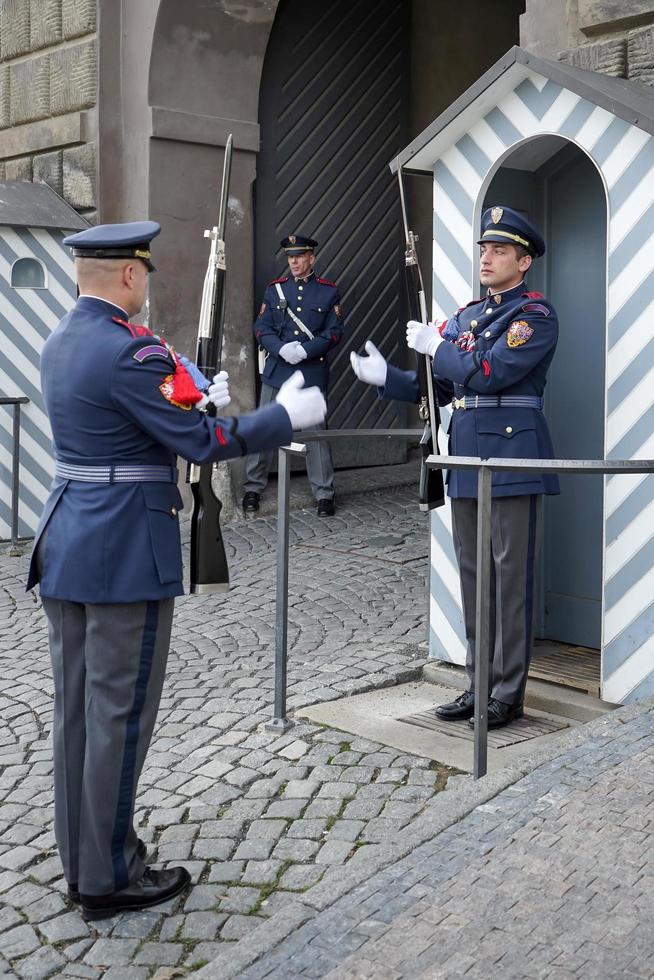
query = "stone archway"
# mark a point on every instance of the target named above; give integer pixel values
(203, 83)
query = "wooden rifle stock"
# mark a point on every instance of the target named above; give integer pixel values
(432, 490)
(209, 568)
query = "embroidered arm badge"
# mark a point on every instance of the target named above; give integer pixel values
(519, 333)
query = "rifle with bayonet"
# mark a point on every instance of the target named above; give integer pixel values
(209, 569)
(432, 491)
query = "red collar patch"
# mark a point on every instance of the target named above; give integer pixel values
(136, 329)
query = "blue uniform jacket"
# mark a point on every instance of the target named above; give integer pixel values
(512, 344)
(107, 398)
(316, 303)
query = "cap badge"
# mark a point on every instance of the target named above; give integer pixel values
(496, 215)
(292, 239)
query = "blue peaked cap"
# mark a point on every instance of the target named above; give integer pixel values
(129, 240)
(297, 244)
(500, 224)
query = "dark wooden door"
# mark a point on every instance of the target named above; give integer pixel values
(332, 110)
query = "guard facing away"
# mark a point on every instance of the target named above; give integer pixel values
(300, 320)
(490, 363)
(107, 550)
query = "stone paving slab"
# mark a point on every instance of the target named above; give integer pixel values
(546, 874)
(256, 817)
(278, 832)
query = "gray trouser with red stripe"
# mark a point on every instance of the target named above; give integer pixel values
(108, 663)
(515, 538)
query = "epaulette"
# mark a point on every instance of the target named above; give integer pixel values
(326, 282)
(534, 295)
(274, 281)
(136, 329)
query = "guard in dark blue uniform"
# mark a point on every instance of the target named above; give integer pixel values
(490, 362)
(107, 550)
(299, 322)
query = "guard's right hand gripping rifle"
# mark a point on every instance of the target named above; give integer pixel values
(432, 491)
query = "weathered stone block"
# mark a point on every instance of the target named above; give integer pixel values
(79, 176)
(49, 168)
(78, 17)
(640, 56)
(3, 170)
(72, 79)
(29, 88)
(18, 169)
(4, 97)
(14, 28)
(608, 57)
(45, 23)
(600, 16)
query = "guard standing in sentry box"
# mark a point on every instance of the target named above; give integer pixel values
(107, 550)
(300, 320)
(490, 362)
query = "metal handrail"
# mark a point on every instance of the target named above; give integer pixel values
(279, 721)
(16, 401)
(486, 468)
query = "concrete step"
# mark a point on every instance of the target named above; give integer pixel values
(553, 699)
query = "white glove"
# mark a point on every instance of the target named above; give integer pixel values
(423, 337)
(218, 391)
(293, 352)
(371, 369)
(306, 407)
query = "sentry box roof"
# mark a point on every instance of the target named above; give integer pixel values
(630, 101)
(23, 204)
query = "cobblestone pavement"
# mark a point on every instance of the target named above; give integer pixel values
(552, 878)
(257, 818)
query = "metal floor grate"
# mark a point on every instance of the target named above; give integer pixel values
(518, 731)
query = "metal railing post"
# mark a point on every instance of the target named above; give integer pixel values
(15, 471)
(16, 403)
(279, 720)
(482, 620)
(485, 468)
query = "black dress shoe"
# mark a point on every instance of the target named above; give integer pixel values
(501, 714)
(73, 890)
(326, 507)
(462, 707)
(152, 888)
(250, 502)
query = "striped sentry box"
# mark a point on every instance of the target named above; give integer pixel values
(466, 151)
(26, 319)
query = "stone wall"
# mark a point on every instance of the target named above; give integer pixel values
(614, 37)
(48, 96)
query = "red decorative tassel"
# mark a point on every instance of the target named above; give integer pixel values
(184, 391)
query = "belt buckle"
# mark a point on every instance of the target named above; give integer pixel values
(459, 402)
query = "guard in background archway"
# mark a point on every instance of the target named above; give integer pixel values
(490, 361)
(300, 320)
